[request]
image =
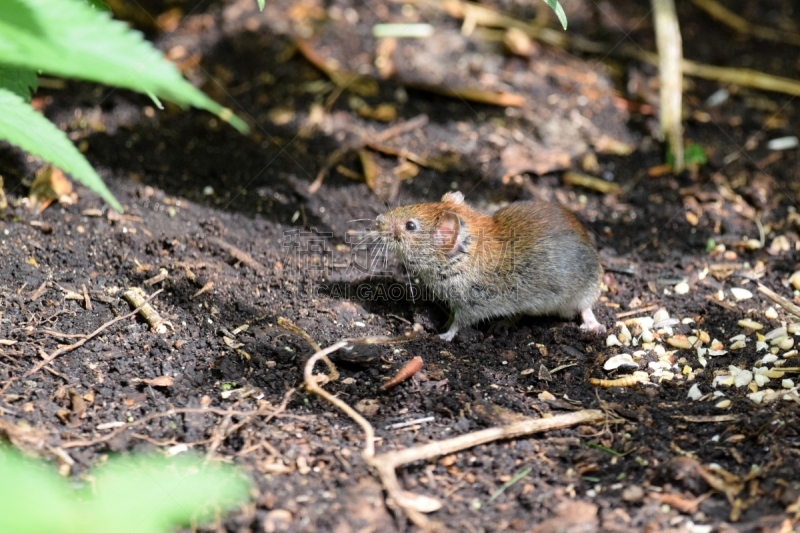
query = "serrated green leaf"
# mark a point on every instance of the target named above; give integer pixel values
(20, 81)
(261, 5)
(22, 126)
(69, 38)
(559, 11)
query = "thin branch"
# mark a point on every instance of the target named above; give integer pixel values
(66, 349)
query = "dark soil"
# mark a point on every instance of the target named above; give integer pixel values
(233, 216)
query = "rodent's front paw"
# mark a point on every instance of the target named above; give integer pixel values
(594, 328)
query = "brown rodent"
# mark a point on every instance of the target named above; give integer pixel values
(528, 258)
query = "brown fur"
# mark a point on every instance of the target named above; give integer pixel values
(529, 257)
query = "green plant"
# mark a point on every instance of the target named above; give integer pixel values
(148, 494)
(73, 39)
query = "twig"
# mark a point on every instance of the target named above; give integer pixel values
(291, 327)
(670, 54)
(743, 77)
(218, 439)
(238, 254)
(135, 296)
(414, 506)
(364, 140)
(778, 299)
(154, 416)
(66, 349)
(312, 386)
(742, 25)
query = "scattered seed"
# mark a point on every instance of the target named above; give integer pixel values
(681, 288)
(624, 335)
(750, 324)
(668, 322)
(775, 333)
(753, 244)
(694, 393)
(741, 294)
(793, 328)
(738, 345)
(612, 340)
(787, 384)
(724, 404)
(790, 353)
(741, 377)
(794, 279)
(617, 361)
(660, 316)
(786, 343)
(771, 313)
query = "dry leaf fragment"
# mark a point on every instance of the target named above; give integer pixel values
(49, 185)
(160, 381)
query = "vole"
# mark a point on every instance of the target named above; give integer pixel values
(528, 258)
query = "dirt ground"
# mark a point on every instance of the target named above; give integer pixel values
(226, 227)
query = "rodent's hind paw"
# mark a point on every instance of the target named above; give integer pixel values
(449, 335)
(590, 323)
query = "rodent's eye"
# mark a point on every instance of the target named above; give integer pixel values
(411, 225)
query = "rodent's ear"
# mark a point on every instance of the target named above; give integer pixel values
(447, 233)
(453, 197)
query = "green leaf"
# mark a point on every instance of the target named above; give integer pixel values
(22, 126)
(34, 484)
(148, 494)
(69, 38)
(155, 493)
(261, 5)
(559, 11)
(20, 81)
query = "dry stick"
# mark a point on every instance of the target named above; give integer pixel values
(778, 299)
(385, 464)
(743, 77)
(742, 25)
(291, 327)
(231, 429)
(170, 412)
(137, 298)
(66, 349)
(313, 387)
(670, 54)
(378, 138)
(238, 254)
